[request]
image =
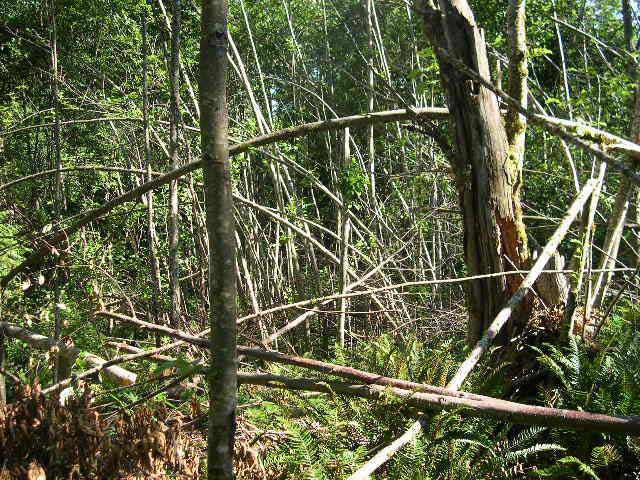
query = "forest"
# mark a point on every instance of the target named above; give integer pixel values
(319, 239)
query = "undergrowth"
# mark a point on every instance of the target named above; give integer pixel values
(329, 437)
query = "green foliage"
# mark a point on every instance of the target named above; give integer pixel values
(353, 183)
(603, 382)
(11, 247)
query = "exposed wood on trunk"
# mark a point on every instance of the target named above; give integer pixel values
(503, 316)
(485, 172)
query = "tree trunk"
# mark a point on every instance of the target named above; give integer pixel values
(487, 173)
(371, 149)
(59, 194)
(615, 228)
(220, 227)
(345, 235)
(151, 227)
(174, 233)
(3, 387)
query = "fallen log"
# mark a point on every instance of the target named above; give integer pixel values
(499, 409)
(419, 395)
(117, 374)
(277, 357)
(67, 353)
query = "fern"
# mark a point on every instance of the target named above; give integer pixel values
(568, 467)
(329, 437)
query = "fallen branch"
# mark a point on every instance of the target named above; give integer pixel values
(417, 394)
(273, 356)
(114, 372)
(499, 409)
(125, 347)
(400, 286)
(6, 133)
(82, 168)
(67, 354)
(115, 361)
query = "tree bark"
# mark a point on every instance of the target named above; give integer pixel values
(371, 148)
(487, 174)
(220, 227)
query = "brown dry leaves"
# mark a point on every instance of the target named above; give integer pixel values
(41, 439)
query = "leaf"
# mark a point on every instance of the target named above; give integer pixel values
(582, 467)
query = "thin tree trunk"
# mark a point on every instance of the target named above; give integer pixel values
(148, 158)
(550, 124)
(583, 257)
(3, 387)
(345, 227)
(615, 228)
(59, 195)
(173, 227)
(222, 245)
(552, 287)
(371, 148)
